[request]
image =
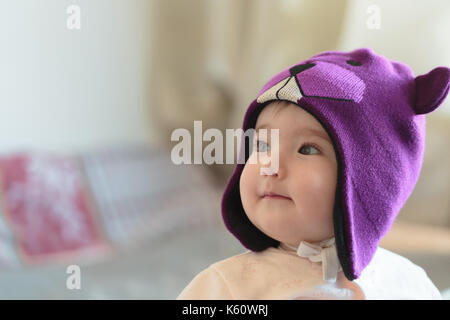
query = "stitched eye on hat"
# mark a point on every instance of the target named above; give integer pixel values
(353, 63)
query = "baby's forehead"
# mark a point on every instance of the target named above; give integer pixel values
(284, 111)
(291, 122)
(291, 131)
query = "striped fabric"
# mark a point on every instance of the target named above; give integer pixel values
(141, 194)
(62, 207)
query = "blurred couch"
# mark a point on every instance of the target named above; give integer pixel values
(112, 212)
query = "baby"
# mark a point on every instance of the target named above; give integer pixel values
(349, 148)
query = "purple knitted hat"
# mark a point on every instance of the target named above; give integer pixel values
(374, 110)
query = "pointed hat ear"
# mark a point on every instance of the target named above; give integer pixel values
(431, 89)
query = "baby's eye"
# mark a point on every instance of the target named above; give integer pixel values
(307, 147)
(262, 146)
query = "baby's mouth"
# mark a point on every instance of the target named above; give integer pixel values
(274, 196)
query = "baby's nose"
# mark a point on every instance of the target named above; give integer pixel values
(272, 172)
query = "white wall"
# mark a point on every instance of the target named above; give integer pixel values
(71, 90)
(414, 32)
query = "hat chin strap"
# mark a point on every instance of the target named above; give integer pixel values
(325, 252)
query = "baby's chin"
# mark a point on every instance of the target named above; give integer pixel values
(285, 240)
(283, 232)
(287, 231)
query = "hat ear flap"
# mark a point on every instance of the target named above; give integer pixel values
(431, 89)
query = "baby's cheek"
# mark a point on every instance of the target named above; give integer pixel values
(246, 185)
(318, 179)
(321, 185)
(252, 159)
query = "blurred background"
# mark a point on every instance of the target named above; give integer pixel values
(91, 91)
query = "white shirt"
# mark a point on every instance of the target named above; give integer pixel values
(279, 273)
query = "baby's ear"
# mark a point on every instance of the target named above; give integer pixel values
(431, 89)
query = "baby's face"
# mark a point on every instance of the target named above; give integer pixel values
(307, 177)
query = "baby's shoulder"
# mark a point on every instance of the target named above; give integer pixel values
(233, 261)
(392, 276)
(387, 260)
(248, 264)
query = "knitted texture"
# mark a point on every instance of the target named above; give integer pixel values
(374, 110)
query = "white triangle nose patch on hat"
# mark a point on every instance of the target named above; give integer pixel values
(283, 90)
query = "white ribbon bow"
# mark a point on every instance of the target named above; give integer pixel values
(325, 252)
